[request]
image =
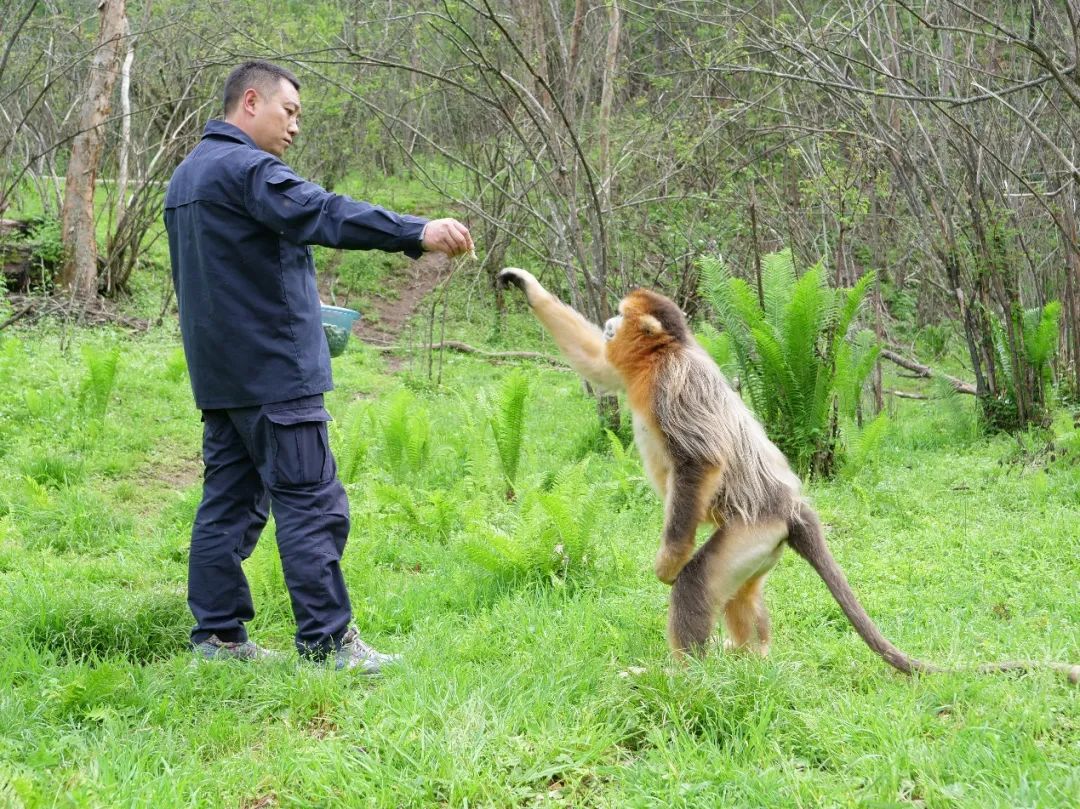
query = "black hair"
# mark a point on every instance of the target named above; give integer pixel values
(261, 75)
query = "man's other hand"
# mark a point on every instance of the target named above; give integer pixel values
(446, 236)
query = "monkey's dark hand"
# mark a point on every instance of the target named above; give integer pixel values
(522, 279)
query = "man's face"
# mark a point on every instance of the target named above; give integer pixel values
(276, 119)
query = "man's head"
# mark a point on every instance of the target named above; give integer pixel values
(263, 100)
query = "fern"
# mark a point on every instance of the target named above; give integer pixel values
(551, 538)
(97, 385)
(807, 318)
(862, 444)
(1040, 345)
(572, 517)
(853, 299)
(406, 432)
(266, 580)
(495, 552)
(507, 420)
(777, 280)
(418, 446)
(401, 497)
(719, 347)
(432, 516)
(797, 366)
(625, 475)
(1038, 329)
(1041, 333)
(176, 365)
(854, 361)
(354, 451)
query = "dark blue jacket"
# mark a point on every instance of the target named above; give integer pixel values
(239, 221)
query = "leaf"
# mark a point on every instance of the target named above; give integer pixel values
(508, 423)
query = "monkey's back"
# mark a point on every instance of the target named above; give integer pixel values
(705, 423)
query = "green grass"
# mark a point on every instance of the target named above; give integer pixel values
(526, 683)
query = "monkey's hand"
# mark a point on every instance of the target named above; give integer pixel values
(670, 560)
(523, 280)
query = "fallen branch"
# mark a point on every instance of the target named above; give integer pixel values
(15, 318)
(465, 348)
(903, 394)
(97, 312)
(925, 372)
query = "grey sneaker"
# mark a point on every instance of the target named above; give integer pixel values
(357, 655)
(213, 648)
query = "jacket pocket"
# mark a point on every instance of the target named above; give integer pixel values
(300, 446)
(293, 187)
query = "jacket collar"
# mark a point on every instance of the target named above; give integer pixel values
(220, 129)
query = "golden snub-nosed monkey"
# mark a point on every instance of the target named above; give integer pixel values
(710, 461)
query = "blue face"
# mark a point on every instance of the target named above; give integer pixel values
(612, 326)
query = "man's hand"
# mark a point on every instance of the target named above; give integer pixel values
(446, 236)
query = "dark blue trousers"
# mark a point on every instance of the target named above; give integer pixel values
(273, 457)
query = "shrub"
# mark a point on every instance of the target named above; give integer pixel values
(792, 353)
(1038, 328)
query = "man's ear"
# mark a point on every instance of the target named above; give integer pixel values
(249, 99)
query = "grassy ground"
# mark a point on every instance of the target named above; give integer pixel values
(536, 671)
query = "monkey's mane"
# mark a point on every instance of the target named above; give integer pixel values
(705, 422)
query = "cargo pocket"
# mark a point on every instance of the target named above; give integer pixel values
(300, 446)
(298, 190)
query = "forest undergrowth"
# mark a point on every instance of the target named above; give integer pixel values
(502, 543)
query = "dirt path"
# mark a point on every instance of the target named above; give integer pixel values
(392, 312)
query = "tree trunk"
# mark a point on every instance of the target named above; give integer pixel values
(79, 274)
(125, 129)
(1071, 299)
(607, 93)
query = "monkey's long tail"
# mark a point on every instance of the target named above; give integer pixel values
(808, 540)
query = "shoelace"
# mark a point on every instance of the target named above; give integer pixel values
(366, 650)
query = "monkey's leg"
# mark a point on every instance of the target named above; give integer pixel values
(745, 615)
(691, 614)
(764, 622)
(581, 342)
(688, 485)
(721, 568)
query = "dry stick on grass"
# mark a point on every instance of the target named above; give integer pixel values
(15, 318)
(465, 348)
(925, 372)
(97, 313)
(903, 394)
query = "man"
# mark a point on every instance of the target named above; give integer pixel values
(239, 222)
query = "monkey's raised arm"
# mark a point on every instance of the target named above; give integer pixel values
(581, 342)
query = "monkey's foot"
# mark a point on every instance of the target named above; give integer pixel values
(759, 649)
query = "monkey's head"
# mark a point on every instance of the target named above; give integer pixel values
(647, 327)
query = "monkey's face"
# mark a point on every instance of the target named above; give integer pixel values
(612, 326)
(647, 324)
